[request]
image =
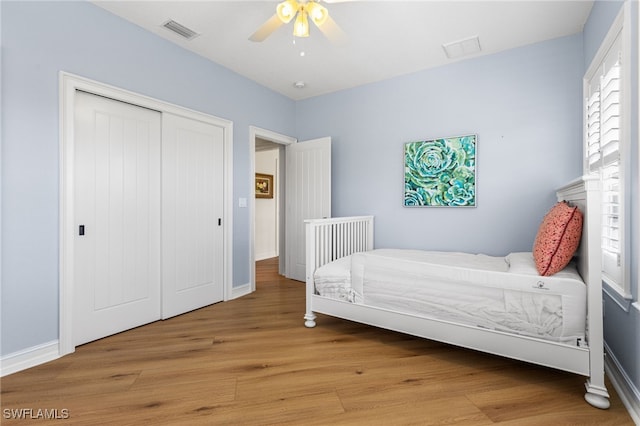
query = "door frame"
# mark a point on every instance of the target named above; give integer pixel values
(69, 84)
(257, 132)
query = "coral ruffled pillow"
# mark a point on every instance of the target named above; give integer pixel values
(557, 239)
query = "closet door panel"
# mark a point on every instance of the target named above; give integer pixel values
(117, 209)
(192, 209)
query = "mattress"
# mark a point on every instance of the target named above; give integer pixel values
(500, 293)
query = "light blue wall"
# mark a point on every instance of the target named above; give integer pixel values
(524, 105)
(39, 39)
(622, 325)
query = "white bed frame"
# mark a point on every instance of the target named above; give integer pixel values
(330, 239)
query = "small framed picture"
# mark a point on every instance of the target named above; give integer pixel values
(264, 186)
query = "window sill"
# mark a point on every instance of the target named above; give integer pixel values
(622, 299)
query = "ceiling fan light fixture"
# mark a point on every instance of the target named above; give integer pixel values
(300, 12)
(317, 13)
(287, 10)
(301, 26)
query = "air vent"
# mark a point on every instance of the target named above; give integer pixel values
(180, 29)
(464, 47)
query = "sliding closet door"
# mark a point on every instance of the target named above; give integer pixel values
(192, 214)
(117, 216)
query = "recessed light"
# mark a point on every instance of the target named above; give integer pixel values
(299, 84)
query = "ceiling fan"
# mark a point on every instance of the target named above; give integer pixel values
(302, 11)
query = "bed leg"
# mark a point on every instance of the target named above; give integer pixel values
(596, 396)
(310, 320)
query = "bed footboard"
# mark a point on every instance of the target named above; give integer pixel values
(331, 239)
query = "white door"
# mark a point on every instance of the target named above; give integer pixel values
(308, 191)
(192, 214)
(117, 216)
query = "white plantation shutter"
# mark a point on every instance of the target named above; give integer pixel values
(610, 172)
(610, 116)
(593, 131)
(611, 236)
(603, 102)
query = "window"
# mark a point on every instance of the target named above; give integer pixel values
(606, 141)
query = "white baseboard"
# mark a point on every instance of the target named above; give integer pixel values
(268, 255)
(240, 291)
(28, 358)
(628, 393)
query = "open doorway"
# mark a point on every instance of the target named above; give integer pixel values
(267, 215)
(267, 160)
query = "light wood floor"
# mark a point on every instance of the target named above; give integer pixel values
(252, 361)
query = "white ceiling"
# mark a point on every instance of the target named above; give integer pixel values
(383, 38)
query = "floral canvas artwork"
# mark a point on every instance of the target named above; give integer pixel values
(440, 172)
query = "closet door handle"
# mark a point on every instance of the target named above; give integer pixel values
(81, 230)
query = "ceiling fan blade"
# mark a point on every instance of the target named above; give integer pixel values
(266, 29)
(332, 31)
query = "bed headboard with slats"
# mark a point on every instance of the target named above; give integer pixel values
(337, 237)
(331, 239)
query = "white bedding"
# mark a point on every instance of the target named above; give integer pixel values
(501, 293)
